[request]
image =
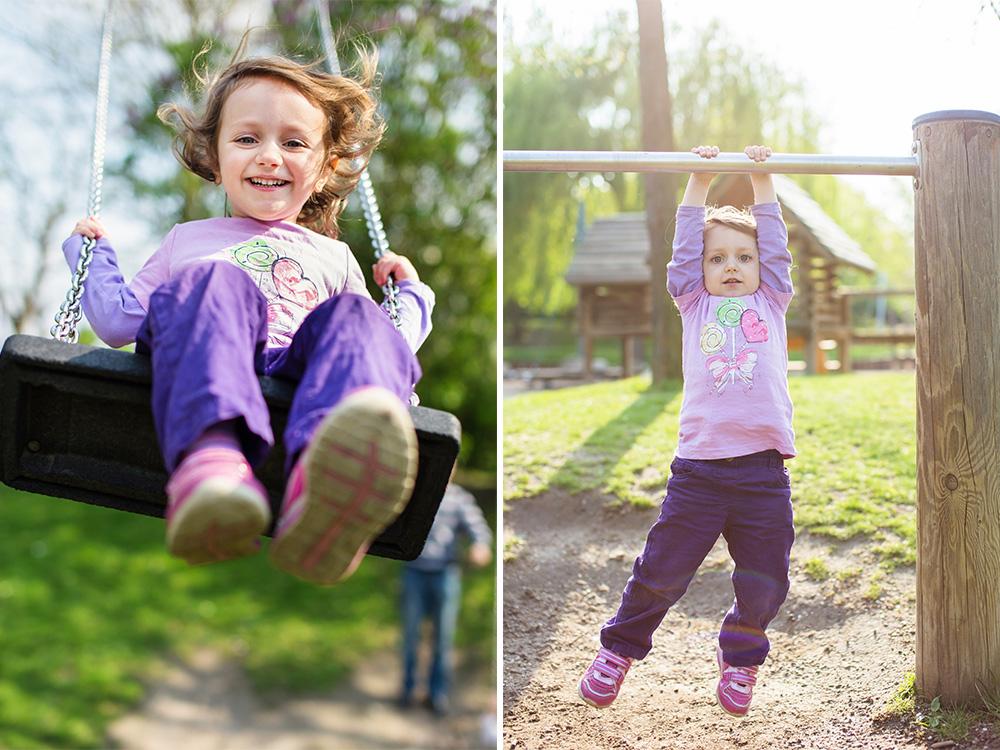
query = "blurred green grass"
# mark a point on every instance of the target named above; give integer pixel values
(90, 604)
(854, 476)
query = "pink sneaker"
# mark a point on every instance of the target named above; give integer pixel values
(601, 683)
(735, 690)
(352, 480)
(217, 509)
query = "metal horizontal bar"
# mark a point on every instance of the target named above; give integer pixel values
(673, 161)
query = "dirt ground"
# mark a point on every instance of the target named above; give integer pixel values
(207, 703)
(838, 650)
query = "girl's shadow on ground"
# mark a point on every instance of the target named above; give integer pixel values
(597, 457)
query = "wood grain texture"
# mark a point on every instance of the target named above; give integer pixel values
(958, 341)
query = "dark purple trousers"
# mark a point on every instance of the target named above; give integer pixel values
(748, 501)
(206, 333)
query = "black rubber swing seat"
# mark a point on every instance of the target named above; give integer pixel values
(76, 423)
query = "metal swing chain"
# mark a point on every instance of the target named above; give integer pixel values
(70, 311)
(373, 219)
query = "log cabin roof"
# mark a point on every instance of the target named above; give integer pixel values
(612, 250)
(615, 249)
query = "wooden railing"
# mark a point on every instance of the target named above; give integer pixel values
(898, 334)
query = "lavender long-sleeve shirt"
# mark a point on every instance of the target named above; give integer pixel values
(735, 350)
(294, 267)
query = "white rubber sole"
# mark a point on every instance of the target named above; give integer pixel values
(220, 520)
(360, 466)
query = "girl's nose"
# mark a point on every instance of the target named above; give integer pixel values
(268, 155)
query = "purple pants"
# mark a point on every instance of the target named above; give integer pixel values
(748, 501)
(206, 333)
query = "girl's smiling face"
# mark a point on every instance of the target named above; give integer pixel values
(731, 262)
(271, 150)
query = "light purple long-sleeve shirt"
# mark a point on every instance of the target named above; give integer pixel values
(735, 349)
(294, 267)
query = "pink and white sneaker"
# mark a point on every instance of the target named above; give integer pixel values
(352, 480)
(601, 683)
(217, 509)
(735, 689)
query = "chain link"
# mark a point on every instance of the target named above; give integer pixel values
(376, 232)
(70, 311)
(373, 220)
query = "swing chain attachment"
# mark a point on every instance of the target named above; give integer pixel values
(376, 232)
(373, 219)
(70, 311)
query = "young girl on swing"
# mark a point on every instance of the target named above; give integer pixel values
(224, 299)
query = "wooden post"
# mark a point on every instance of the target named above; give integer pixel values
(957, 254)
(585, 311)
(628, 356)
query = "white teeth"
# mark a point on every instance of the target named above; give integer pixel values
(267, 183)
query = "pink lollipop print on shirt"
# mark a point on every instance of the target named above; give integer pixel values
(754, 329)
(728, 369)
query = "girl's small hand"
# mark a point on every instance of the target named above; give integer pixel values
(395, 265)
(706, 152)
(758, 153)
(90, 227)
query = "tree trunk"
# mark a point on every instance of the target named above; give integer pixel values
(661, 194)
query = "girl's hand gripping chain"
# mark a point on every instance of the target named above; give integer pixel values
(390, 264)
(90, 227)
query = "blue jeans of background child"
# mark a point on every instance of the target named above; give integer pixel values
(434, 595)
(206, 333)
(748, 501)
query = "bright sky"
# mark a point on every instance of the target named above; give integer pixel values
(869, 66)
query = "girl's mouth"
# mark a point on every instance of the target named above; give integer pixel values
(264, 182)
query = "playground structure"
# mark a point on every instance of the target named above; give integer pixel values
(955, 166)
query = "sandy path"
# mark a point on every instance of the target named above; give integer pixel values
(838, 652)
(209, 704)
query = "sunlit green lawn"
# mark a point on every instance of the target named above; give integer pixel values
(855, 474)
(90, 603)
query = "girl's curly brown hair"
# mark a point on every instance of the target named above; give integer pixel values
(354, 128)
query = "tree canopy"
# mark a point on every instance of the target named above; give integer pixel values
(584, 97)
